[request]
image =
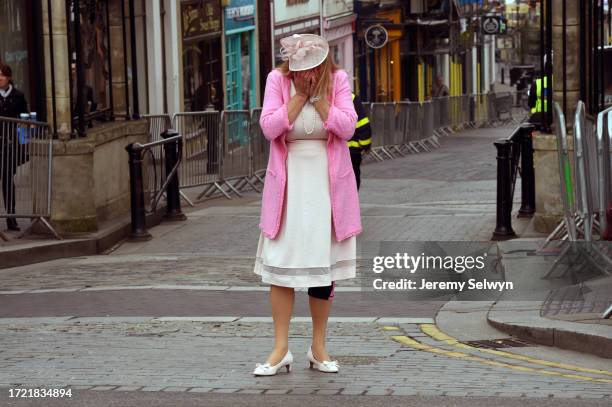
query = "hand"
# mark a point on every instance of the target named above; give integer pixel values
(367, 149)
(310, 77)
(302, 84)
(313, 87)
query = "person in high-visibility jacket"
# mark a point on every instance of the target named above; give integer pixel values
(361, 142)
(538, 99)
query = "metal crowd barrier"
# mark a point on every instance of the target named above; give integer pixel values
(480, 109)
(260, 149)
(26, 151)
(226, 152)
(604, 172)
(202, 150)
(585, 193)
(237, 161)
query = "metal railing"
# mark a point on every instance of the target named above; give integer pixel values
(26, 169)
(169, 149)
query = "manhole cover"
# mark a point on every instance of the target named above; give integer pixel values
(499, 343)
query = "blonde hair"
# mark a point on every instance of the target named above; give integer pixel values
(325, 84)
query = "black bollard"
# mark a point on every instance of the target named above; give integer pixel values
(138, 212)
(173, 197)
(527, 173)
(503, 227)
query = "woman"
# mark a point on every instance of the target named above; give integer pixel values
(12, 104)
(310, 207)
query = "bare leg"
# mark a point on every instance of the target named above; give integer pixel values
(281, 299)
(319, 310)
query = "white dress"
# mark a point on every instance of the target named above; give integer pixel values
(305, 252)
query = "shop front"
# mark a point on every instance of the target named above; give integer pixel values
(378, 68)
(241, 76)
(202, 57)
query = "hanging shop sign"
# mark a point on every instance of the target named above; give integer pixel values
(493, 25)
(200, 17)
(239, 14)
(376, 36)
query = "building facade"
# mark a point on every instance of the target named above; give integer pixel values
(338, 29)
(294, 17)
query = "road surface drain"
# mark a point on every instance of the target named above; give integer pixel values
(499, 343)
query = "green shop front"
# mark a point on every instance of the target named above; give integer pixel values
(241, 76)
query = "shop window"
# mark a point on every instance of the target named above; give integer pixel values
(245, 63)
(89, 60)
(202, 75)
(337, 53)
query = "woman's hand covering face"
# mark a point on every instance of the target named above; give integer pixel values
(301, 83)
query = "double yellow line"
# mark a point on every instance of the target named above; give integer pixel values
(433, 332)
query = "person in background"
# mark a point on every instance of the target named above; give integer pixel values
(362, 139)
(12, 104)
(538, 101)
(440, 89)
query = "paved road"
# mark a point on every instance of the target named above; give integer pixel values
(202, 270)
(157, 303)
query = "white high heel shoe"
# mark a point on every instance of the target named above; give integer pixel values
(327, 366)
(266, 369)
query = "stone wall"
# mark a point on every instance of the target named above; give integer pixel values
(549, 208)
(91, 177)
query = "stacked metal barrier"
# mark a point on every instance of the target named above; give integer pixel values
(26, 171)
(604, 171)
(585, 193)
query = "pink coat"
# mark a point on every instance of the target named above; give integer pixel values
(274, 123)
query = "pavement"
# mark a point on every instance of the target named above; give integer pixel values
(561, 298)
(182, 319)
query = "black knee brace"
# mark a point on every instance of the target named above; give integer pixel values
(323, 293)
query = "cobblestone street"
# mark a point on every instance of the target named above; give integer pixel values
(185, 314)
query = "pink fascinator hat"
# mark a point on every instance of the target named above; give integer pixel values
(304, 51)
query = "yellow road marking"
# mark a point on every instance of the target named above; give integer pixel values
(433, 332)
(464, 356)
(390, 328)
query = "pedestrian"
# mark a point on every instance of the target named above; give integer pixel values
(361, 143)
(12, 104)
(310, 212)
(440, 90)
